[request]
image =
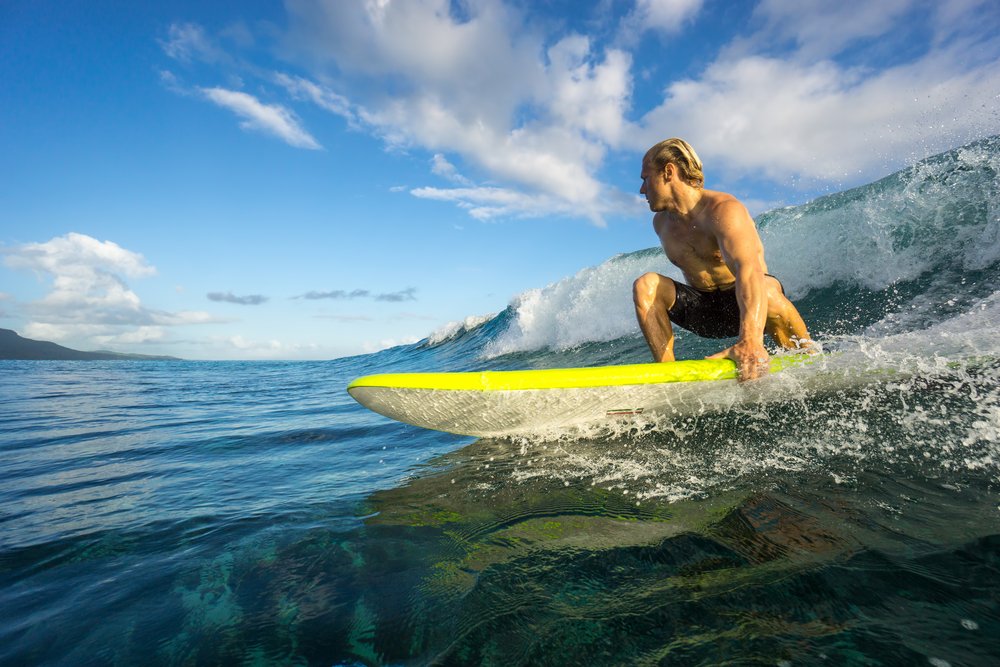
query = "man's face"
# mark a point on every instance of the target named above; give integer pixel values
(653, 186)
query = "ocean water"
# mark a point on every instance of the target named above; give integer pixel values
(195, 513)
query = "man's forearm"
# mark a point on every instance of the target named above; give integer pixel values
(753, 305)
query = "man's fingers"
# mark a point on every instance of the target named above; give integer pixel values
(719, 355)
(753, 369)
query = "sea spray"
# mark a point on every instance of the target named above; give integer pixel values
(941, 214)
(595, 305)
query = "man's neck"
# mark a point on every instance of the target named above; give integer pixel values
(687, 202)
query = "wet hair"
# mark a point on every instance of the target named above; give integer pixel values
(680, 153)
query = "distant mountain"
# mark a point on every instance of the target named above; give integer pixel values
(12, 346)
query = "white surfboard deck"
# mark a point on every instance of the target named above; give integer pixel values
(504, 403)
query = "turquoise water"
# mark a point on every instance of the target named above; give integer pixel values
(251, 513)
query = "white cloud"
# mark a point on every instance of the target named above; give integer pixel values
(148, 334)
(445, 169)
(783, 119)
(79, 256)
(93, 336)
(87, 278)
(666, 16)
(188, 42)
(486, 203)
(89, 298)
(184, 317)
(819, 28)
(241, 343)
(533, 117)
(54, 332)
(553, 160)
(587, 96)
(461, 85)
(271, 119)
(246, 348)
(304, 89)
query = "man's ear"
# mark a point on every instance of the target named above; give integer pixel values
(667, 173)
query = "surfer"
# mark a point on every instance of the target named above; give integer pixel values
(712, 239)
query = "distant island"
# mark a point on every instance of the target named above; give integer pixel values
(13, 346)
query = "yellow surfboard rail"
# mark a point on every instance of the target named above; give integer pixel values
(695, 370)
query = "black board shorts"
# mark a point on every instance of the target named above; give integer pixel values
(708, 313)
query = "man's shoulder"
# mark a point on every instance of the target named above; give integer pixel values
(723, 206)
(716, 198)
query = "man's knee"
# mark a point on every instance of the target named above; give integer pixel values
(778, 305)
(784, 322)
(650, 288)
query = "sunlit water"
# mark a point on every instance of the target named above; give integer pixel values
(251, 513)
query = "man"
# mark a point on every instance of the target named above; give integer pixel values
(711, 237)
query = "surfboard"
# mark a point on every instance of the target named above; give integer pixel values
(505, 403)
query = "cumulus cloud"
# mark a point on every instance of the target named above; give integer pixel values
(411, 65)
(775, 105)
(787, 119)
(272, 119)
(90, 297)
(87, 278)
(762, 110)
(229, 297)
(806, 91)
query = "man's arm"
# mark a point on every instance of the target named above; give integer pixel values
(744, 255)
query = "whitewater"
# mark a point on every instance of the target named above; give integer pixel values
(251, 513)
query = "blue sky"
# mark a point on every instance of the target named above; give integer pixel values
(306, 180)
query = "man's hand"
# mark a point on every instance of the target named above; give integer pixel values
(751, 359)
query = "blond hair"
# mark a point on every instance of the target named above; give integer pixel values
(680, 153)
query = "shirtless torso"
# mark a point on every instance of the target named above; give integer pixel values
(693, 247)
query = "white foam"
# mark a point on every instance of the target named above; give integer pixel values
(595, 305)
(455, 329)
(943, 211)
(970, 334)
(927, 400)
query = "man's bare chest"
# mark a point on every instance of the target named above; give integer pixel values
(685, 247)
